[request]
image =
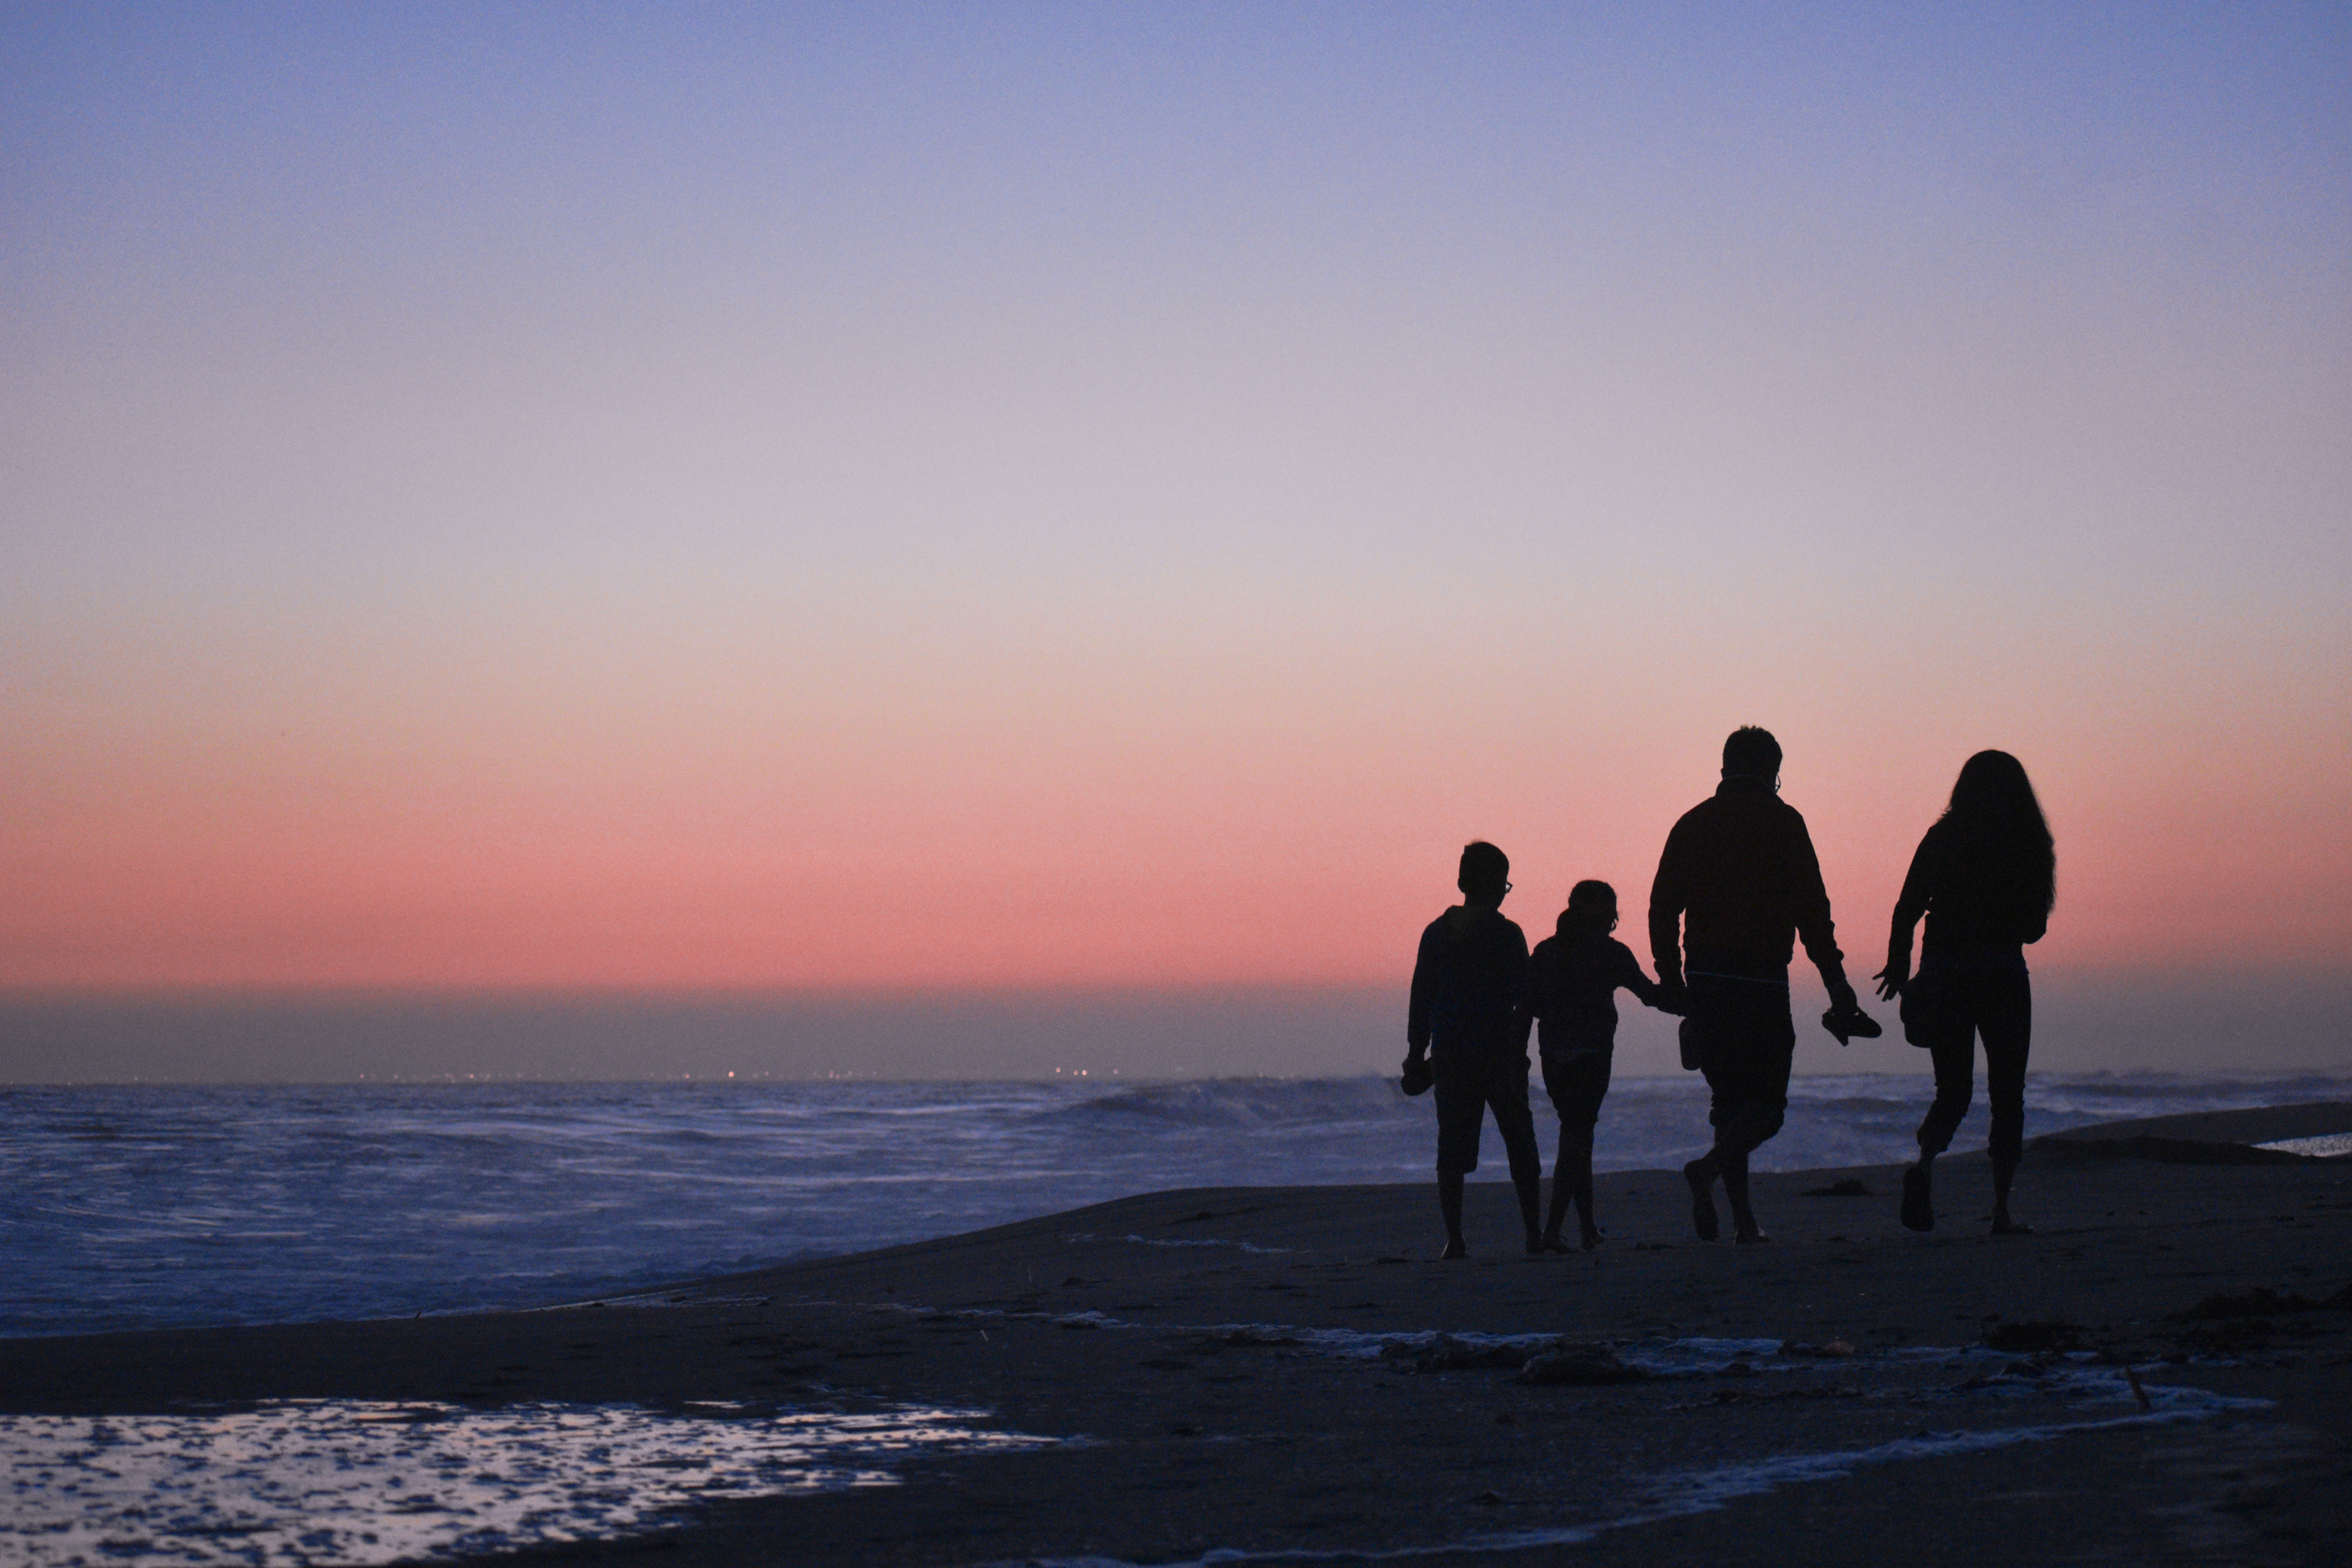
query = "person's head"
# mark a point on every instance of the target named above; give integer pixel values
(1485, 874)
(1591, 911)
(1751, 752)
(1994, 810)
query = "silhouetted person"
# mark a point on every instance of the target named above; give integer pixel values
(1466, 985)
(1985, 876)
(1573, 977)
(1737, 879)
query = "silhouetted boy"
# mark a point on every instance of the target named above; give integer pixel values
(1737, 883)
(1467, 985)
(1574, 977)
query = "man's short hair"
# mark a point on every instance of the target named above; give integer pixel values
(1751, 751)
(1483, 866)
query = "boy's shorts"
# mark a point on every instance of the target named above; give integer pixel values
(1467, 1083)
(1577, 1084)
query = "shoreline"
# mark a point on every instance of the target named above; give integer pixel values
(157, 1209)
(1209, 1367)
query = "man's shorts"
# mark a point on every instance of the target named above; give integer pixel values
(1746, 1044)
(1577, 1084)
(1468, 1082)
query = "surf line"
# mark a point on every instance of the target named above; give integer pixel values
(1680, 1358)
(1687, 1493)
(1085, 1238)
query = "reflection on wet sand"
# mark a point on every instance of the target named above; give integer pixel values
(359, 1482)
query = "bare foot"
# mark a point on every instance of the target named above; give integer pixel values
(1549, 1242)
(1700, 1174)
(1454, 1250)
(1751, 1238)
(1918, 1210)
(1592, 1237)
(2004, 1226)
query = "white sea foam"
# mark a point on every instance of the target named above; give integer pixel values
(304, 1481)
(2326, 1146)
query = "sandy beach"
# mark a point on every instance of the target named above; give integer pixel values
(2162, 1373)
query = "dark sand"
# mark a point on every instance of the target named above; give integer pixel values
(1200, 1438)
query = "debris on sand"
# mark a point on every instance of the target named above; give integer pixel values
(1444, 1353)
(2027, 1339)
(1580, 1366)
(2263, 1303)
(1844, 1187)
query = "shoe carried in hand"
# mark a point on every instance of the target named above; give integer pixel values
(1851, 1023)
(1417, 1077)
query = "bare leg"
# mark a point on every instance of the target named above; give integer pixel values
(1578, 1152)
(1562, 1186)
(1530, 1187)
(1734, 1164)
(1750, 1088)
(1701, 1174)
(1954, 1052)
(2003, 1173)
(1526, 1176)
(1918, 1211)
(1449, 1203)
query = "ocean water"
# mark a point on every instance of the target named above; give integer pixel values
(144, 1206)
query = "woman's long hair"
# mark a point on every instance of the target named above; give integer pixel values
(1998, 834)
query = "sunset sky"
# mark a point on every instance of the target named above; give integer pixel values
(705, 496)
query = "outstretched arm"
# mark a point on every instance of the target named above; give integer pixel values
(1909, 905)
(1630, 976)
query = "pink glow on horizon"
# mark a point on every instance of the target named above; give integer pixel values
(1267, 866)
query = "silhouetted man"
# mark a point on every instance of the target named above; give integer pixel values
(1738, 878)
(1468, 980)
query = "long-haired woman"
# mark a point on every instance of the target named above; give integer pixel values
(1985, 878)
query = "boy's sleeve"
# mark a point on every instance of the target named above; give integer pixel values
(1424, 982)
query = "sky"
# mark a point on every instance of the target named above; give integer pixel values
(662, 500)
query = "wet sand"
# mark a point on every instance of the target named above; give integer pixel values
(1217, 1356)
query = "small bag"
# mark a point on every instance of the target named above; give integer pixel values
(1688, 1036)
(1926, 1003)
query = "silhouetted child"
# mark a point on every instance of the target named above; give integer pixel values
(1572, 980)
(1467, 982)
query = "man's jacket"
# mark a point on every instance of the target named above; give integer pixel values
(1737, 883)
